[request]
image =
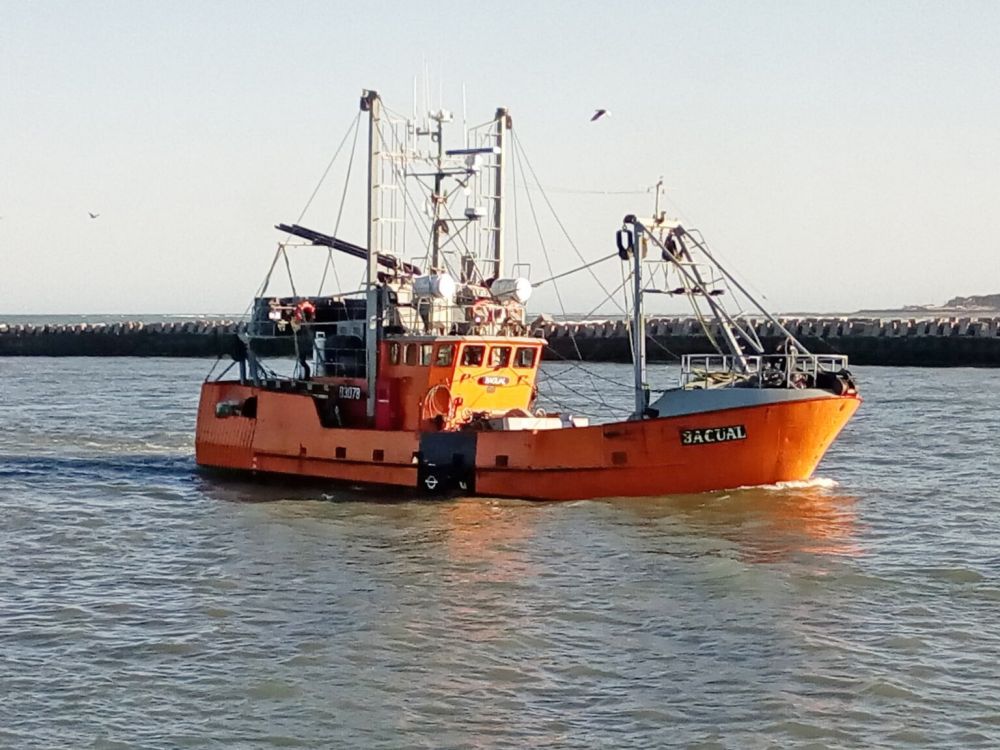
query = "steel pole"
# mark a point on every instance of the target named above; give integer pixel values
(370, 101)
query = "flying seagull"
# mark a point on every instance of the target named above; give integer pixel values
(599, 113)
(93, 215)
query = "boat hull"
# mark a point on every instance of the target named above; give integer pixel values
(760, 443)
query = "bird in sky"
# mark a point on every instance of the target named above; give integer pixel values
(599, 113)
(93, 215)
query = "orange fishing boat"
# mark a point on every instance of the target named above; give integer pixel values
(427, 377)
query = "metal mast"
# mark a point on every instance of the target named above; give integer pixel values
(502, 124)
(638, 322)
(437, 197)
(372, 104)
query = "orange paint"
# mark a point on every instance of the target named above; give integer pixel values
(783, 442)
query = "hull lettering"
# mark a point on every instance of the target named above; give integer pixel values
(710, 435)
(349, 392)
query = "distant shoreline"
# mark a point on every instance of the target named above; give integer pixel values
(922, 311)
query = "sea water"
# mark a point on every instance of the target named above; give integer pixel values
(144, 604)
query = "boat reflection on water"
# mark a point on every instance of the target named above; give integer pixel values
(493, 536)
(767, 523)
(487, 534)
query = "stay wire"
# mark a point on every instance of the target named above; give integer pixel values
(517, 231)
(576, 270)
(575, 191)
(548, 396)
(329, 166)
(340, 210)
(267, 277)
(518, 154)
(519, 147)
(590, 374)
(545, 252)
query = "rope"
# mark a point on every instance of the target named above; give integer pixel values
(340, 211)
(600, 405)
(517, 231)
(329, 166)
(575, 191)
(267, 277)
(288, 267)
(548, 260)
(575, 270)
(519, 147)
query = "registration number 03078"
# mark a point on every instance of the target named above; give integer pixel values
(351, 392)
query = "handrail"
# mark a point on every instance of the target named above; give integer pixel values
(792, 370)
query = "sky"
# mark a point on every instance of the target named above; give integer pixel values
(840, 155)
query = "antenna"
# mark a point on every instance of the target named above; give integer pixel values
(465, 125)
(427, 88)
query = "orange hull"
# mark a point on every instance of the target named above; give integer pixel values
(754, 445)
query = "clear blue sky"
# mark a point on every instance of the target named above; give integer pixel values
(840, 154)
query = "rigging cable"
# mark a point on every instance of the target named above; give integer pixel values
(574, 191)
(340, 211)
(548, 260)
(520, 148)
(267, 278)
(575, 270)
(590, 374)
(517, 232)
(518, 154)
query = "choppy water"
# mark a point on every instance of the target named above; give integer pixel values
(144, 605)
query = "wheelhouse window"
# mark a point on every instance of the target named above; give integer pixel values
(472, 355)
(445, 355)
(426, 352)
(525, 357)
(410, 354)
(499, 356)
(394, 353)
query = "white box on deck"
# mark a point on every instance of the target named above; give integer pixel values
(527, 423)
(538, 423)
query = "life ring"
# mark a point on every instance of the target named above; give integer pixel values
(305, 311)
(482, 312)
(437, 402)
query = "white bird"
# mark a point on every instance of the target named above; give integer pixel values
(93, 215)
(599, 113)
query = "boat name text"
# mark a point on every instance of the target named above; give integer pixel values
(705, 435)
(493, 380)
(349, 392)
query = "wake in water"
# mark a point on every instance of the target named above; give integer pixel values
(799, 484)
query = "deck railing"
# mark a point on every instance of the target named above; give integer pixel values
(793, 370)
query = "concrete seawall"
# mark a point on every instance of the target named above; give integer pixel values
(951, 342)
(940, 342)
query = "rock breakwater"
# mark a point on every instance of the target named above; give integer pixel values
(937, 342)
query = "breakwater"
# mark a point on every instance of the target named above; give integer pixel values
(939, 342)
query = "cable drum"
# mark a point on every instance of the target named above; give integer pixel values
(438, 286)
(518, 290)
